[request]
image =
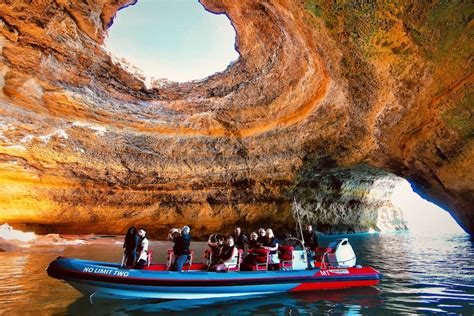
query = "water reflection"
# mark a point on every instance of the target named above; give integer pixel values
(284, 303)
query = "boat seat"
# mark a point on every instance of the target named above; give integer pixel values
(285, 253)
(319, 256)
(262, 259)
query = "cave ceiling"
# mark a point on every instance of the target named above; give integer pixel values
(86, 146)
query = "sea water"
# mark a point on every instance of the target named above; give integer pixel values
(422, 274)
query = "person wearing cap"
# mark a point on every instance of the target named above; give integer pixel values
(181, 248)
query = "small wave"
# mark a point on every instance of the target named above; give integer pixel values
(15, 240)
(8, 233)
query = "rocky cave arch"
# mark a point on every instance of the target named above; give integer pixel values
(84, 144)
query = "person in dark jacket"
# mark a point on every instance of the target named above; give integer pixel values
(253, 242)
(228, 256)
(239, 238)
(310, 238)
(181, 248)
(261, 235)
(130, 246)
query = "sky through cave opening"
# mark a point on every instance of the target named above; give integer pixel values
(176, 40)
(421, 215)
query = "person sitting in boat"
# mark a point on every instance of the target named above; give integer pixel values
(310, 238)
(142, 249)
(215, 243)
(181, 248)
(228, 256)
(253, 241)
(239, 238)
(261, 236)
(130, 247)
(250, 258)
(271, 243)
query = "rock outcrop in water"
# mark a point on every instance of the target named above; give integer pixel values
(85, 146)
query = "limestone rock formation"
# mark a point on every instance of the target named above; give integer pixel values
(348, 200)
(86, 147)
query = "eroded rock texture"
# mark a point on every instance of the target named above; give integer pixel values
(348, 200)
(85, 146)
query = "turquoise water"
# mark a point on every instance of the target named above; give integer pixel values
(423, 274)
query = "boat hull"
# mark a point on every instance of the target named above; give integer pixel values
(108, 279)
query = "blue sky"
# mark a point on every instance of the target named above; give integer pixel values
(173, 39)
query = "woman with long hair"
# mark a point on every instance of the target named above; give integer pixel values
(130, 247)
(271, 243)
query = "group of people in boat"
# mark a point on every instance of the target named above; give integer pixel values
(224, 250)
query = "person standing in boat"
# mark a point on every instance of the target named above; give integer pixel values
(181, 248)
(130, 247)
(239, 238)
(310, 238)
(311, 243)
(142, 249)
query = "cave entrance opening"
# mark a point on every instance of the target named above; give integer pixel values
(420, 215)
(171, 40)
(368, 199)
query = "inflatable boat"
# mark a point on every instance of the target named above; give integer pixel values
(195, 282)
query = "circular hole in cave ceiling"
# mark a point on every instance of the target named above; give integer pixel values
(175, 40)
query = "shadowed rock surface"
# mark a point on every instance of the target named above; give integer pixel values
(86, 147)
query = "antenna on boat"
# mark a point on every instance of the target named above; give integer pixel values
(298, 218)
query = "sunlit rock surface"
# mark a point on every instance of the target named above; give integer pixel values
(86, 147)
(348, 200)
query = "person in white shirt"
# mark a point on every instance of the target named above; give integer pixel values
(142, 249)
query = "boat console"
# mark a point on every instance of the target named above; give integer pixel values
(341, 254)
